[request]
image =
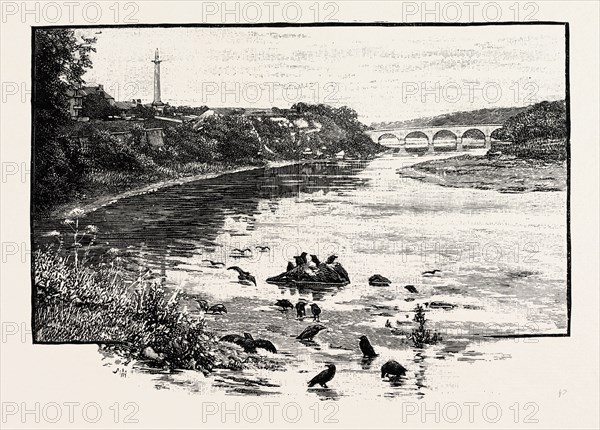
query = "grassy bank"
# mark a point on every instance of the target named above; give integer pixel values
(505, 174)
(131, 311)
(104, 186)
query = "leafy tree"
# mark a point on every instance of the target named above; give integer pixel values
(142, 111)
(60, 60)
(95, 106)
(545, 120)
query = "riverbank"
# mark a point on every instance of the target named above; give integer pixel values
(103, 189)
(505, 174)
(133, 316)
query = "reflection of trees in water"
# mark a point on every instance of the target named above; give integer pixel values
(419, 360)
(169, 225)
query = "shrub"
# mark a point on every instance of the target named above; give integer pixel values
(421, 336)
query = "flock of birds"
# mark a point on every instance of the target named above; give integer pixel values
(391, 369)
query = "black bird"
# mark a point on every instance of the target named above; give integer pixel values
(331, 259)
(301, 309)
(215, 263)
(284, 304)
(303, 256)
(310, 332)
(237, 252)
(439, 305)
(411, 289)
(316, 311)
(243, 275)
(393, 369)
(299, 261)
(315, 259)
(218, 309)
(203, 304)
(366, 347)
(249, 343)
(430, 272)
(324, 377)
(263, 248)
(290, 266)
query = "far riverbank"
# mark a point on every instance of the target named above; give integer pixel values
(103, 190)
(505, 174)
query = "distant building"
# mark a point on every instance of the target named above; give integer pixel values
(78, 95)
(75, 96)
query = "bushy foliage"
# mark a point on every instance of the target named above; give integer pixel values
(95, 106)
(422, 336)
(109, 152)
(184, 144)
(235, 137)
(141, 111)
(545, 120)
(340, 130)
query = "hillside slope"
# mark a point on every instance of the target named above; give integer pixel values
(481, 116)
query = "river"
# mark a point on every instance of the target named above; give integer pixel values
(502, 259)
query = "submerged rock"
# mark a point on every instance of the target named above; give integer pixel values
(379, 281)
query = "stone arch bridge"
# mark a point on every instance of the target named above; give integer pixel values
(432, 134)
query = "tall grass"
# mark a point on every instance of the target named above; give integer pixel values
(80, 301)
(99, 303)
(117, 180)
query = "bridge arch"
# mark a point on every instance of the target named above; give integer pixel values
(416, 141)
(473, 138)
(495, 134)
(390, 140)
(444, 140)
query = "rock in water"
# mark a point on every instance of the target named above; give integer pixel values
(325, 273)
(379, 281)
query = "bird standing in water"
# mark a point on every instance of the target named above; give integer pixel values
(301, 309)
(243, 276)
(324, 377)
(316, 311)
(366, 347)
(393, 369)
(284, 304)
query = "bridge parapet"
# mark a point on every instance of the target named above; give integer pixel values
(430, 133)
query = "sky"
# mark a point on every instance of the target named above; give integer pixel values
(384, 73)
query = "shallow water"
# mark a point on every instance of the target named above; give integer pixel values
(502, 259)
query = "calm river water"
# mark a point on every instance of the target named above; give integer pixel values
(502, 259)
